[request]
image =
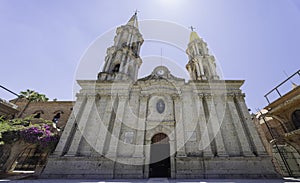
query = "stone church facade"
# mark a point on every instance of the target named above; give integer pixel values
(160, 125)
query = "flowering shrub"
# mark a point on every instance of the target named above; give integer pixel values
(41, 135)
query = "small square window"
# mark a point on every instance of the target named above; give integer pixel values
(128, 137)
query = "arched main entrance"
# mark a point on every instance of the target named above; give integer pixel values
(160, 156)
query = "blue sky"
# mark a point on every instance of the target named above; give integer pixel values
(42, 41)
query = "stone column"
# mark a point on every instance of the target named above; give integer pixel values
(122, 63)
(250, 125)
(204, 144)
(107, 61)
(105, 64)
(139, 145)
(180, 146)
(198, 73)
(69, 129)
(216, 127)
(126, 65)
(195, 49)
(129, 37)
(203, 76)
(237, 123)
(82, 122)
(201, 68)
(190, 71)
(138, 47)
(113, 146)
(104, 123)
(136, 70)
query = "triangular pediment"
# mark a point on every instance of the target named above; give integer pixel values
(161, 72)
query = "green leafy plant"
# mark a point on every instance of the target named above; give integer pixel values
(31, 96)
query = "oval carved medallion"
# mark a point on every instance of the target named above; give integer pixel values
(160, 106)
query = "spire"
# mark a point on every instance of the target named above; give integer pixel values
(193, 35)
(133, 20)
(123, 60)
(201, 64)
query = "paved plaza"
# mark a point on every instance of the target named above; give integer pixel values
(157, 180)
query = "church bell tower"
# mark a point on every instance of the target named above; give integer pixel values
(123, 61)
(201, 65)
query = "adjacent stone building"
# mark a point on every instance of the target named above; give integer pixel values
(279, 124)
(123, 126)
(28, 157)
(7, 109)
(49, 110)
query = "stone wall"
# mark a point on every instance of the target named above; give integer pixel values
(47, 110)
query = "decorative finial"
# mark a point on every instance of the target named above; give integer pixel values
(136, 11)
(192, 28)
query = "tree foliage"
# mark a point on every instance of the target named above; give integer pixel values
(33, 96)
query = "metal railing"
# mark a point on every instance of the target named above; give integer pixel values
(276, 89)
(8, 90)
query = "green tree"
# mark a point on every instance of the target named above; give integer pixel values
(31, 96)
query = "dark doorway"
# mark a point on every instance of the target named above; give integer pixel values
(160, 165)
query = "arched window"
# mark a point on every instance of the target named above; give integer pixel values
(160, 138)
(37, 114)
(116, 68)
(56, 118)
(296, 118)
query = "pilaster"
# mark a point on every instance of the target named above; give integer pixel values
(237, 123)
(69, 131)
(180, 145)
(104, 123)
(112, 151)
(81, 126)
(215, 125)
(260, 149)
(139, 146)
(204, 144)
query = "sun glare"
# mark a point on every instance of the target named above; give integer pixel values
(171, 3)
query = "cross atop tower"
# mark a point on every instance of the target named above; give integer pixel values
(136, 11)
(192, 28)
